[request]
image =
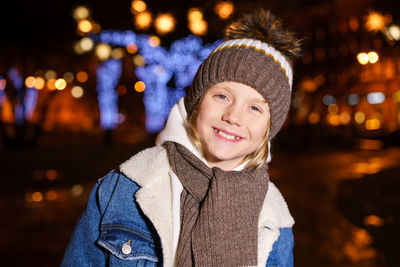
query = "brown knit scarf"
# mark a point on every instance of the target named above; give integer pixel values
(219, 211)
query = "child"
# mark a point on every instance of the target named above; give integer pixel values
(202, 196)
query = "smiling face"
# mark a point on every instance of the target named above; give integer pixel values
(232, 122)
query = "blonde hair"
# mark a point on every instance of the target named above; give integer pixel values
(256, 159)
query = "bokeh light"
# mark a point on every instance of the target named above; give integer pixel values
(117, 53)
(394, 32)
(138, 6)
(373, 57)
(30, 82)
(103, 51)
(138, 60)
(51, 195)
(82, 76)
(363, 58)
(40, 83)
(60, 84)
(80, 13)
(50, 74)
(51, 84)
(164, 23)
(86, 44)
(132, 48)
(68, 76)
(143, 20)
(76, 190)
(140, 86)
(3, 84)
(77, 92)
(359, 117)
(224, 9)
(198, 27)
(37, 197)
(154, 41)
(195, 14)
(85, 26)
(372, 124)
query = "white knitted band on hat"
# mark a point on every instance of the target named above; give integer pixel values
(264, 47)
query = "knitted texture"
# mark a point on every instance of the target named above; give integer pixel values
(248, 66)
(219, 211)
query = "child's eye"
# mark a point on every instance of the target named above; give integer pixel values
(254, 108)
(222, 97)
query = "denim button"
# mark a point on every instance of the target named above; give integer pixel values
(126, 248)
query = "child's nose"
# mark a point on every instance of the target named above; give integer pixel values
(232, 116)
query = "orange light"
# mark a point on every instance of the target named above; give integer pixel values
(40, 83)
(51, 175)
(373, 220)
(363, 58)
(3, 84)
(138, 6)
(195, 14)
(85, 26)
(37, 197)
(224, 9)
(333, 108)
(30, 82)
(333, 120)
(359, 117)
(138, 60)
(313, 118)
(375, 22)
(372, 124)
(60, 84)
(164, 23)
(198, 27)
(140, 86)
(143, 20)
(81, 12)
(345, 118)
(51, 84)
(154, 41)
(132, 48)
(82, 76)
(373, 57)
(51, 195)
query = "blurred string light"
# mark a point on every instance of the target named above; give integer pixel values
(164, 23)
(108, 74)
(376, 98)
(224, 9)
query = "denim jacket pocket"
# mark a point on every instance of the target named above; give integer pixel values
(127, 243)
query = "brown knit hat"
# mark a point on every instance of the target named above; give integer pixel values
(256, 54)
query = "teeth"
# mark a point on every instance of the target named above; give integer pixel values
(227, 136)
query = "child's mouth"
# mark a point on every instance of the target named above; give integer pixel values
(227, 136)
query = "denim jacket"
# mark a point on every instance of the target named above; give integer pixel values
(127, 221)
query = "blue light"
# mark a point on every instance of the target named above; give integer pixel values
(166, 74)
(30, 100)
(108, 74)
(16, 78)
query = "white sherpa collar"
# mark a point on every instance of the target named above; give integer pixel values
(149, 169)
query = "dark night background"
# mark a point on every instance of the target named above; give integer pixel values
(340, 180)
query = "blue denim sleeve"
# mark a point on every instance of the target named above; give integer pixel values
(82, 249)
(282, 250)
